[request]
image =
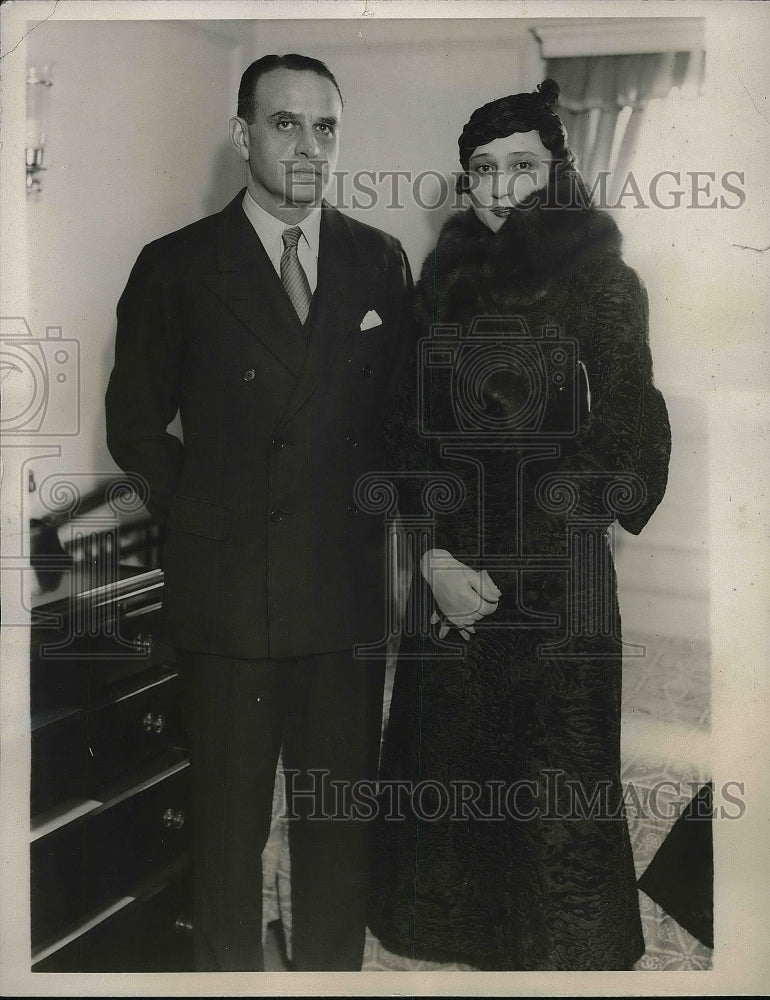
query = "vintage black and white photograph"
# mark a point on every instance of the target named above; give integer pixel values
(384, 434)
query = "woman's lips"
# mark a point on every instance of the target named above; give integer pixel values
(501, 211)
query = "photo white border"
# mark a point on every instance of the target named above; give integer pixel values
(738, 38)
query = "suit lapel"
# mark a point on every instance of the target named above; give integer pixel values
(345, 286)
(247, 283)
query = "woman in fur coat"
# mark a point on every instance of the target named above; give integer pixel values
(526, 427)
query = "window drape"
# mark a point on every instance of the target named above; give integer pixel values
(603, 101)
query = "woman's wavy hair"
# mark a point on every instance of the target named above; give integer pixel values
(526, 113)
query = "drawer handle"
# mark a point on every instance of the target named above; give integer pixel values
(183, 925)
(143, 642)
(154, 723)
(173, 819)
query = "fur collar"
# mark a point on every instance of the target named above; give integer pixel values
(532, 252)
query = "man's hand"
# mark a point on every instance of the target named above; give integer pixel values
(463, 595)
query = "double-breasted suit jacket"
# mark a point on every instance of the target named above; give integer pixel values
(267, 554)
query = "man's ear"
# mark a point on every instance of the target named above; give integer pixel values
(239, 136)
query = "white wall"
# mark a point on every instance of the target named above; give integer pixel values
(138, 146)
(708, 331)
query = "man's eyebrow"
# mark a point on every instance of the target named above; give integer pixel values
(293, 116)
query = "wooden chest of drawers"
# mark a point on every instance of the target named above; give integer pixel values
(110, 832)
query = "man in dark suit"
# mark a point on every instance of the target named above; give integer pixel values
(277, 329)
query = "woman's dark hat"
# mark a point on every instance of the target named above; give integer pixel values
(517, 113)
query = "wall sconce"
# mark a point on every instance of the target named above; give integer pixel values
(38, 97)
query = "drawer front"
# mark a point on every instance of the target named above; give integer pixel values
(59, 765)
(150, 935)
(139, 835)
(139, 726)
(58, 880)
(56, 681)
(102, 856)
(128, 642)
(90, 752)
(96, 647)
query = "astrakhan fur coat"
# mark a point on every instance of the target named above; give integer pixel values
(506, 845)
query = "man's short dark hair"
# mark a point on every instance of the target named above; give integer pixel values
(293, 61)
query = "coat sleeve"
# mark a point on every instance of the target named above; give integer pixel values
(401, 295)
(407, 451)
(143, 392)
(626, 438)
(414, 457)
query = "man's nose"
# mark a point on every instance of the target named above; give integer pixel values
(306, 142)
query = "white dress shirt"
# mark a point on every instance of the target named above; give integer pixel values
(270, 230)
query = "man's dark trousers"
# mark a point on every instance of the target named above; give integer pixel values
(324, 712)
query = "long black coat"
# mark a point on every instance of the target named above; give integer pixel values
(544, 416)
(268, 553)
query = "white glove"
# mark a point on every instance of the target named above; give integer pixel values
(463, 595)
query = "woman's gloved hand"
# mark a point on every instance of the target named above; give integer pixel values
(463, 595)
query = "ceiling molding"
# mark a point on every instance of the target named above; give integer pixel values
(605, 37)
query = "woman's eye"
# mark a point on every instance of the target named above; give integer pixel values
(484, 168)
(523, 165)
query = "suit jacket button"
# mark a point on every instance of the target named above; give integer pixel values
(350, 441)
(249, 375)
(277, 515)
(366, 371)
(278, 443)
(351, 511)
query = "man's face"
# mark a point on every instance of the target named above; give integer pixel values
(507, 171)
(291, 144)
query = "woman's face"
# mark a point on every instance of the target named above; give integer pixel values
(504, 173)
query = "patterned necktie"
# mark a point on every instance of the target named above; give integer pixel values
(293, 275)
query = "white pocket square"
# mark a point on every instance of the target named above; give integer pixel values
(371, 319)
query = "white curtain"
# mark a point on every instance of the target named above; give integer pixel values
(603, 101)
